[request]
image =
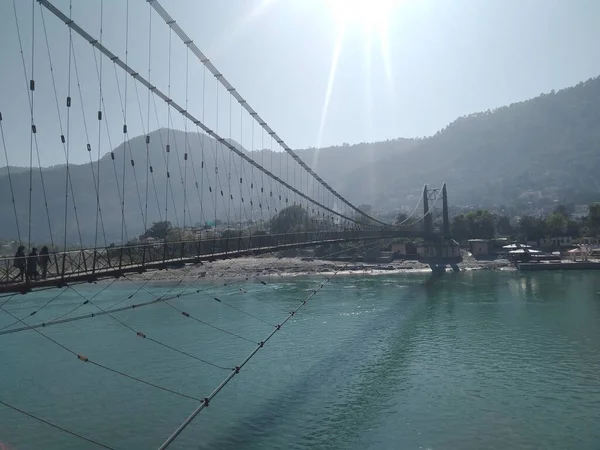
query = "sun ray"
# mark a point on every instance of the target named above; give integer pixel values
(372, 17)
(337, 50)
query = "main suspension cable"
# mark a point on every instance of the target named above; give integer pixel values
(172, 24)
(174, 105)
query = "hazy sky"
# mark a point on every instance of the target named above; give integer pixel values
(405, 70)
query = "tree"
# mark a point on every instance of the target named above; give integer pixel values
(482, 224)
(574, 228)
(291, 219)
(562, 210)
(504, 227)
(593, 218)
(159, 230)
(459, 228)
(556, 225)
(531, 228)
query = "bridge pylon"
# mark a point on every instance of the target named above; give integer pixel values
(445, 217)
(428, 214)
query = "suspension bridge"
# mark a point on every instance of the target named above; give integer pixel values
(211, 159)
(93, 264)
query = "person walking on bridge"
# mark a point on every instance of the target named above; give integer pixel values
(32, 261)
(19, 262)
(44, 259)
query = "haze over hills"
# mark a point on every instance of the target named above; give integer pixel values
(541, 150)
(538, 151)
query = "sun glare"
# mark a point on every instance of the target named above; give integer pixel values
(369, 14)
(373, 18)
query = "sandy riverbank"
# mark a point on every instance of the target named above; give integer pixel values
(270, 266)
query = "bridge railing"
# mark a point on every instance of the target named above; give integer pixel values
(110, 261)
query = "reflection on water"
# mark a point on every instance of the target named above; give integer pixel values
(474, 360)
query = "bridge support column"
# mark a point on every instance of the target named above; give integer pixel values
(427, 218)
(445, 219)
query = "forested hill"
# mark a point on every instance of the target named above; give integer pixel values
(539, 150)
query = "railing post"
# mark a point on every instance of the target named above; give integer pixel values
(84, 260)
(64, 257)
(108, 257)
(56, 264)
(120, 256)
(95, 255)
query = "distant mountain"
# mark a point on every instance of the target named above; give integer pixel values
(537, 152)
(13, 170)
(215, 169)
(542, 150)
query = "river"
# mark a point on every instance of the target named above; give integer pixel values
(474, 360)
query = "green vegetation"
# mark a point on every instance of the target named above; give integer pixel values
(159, 230)
(482, 224)
(292, 219)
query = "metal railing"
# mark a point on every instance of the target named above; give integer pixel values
(114, 261)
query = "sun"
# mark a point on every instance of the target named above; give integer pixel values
(371, 15)
(373, 18)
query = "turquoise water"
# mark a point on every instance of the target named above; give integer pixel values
(475, 360)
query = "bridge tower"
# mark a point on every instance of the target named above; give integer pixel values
(428, 218)
(439, 248)
(445, 218)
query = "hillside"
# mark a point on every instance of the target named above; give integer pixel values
(13, 170)
(210, 166)
(536, 152)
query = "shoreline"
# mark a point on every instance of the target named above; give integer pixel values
(285, 267)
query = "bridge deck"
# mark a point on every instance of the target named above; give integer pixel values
(88, 265)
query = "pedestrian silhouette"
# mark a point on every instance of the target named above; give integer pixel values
(44, 259)
(32, 260)
(19, 262)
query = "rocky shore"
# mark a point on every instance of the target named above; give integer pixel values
(271, 266)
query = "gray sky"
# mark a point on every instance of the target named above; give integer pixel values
(439, 59)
